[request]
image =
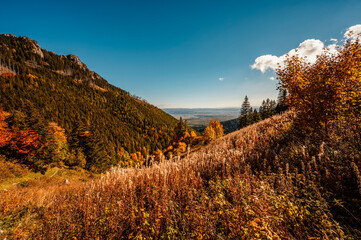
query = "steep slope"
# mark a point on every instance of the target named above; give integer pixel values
(259, 182)
(101, 121)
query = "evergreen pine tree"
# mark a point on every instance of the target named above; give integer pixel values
(256, 117)
(180, 129)
(281, 100)
(246, 110)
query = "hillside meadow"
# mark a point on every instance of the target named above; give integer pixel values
(259, 182)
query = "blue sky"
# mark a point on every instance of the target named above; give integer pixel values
(172, 53)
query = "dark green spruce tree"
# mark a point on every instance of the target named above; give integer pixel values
(180, 129)
(281, 100)
(245, 114)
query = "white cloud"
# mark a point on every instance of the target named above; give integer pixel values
(221, 79)
(272, 78)
(353, 32)
(308, 49)
(264, 62)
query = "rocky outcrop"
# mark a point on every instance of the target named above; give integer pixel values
(32, 45)
(76, 60)
(6, 70)
(35, 48)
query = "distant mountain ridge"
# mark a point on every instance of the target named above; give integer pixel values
(41, 86)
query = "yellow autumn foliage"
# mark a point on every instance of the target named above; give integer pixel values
(327, 94)
(213, 131)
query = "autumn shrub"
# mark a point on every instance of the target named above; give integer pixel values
(326, 94)
(326, 137)
(57, 144)
(237, 187)
(213, 131)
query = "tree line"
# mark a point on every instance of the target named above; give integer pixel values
(268, 108)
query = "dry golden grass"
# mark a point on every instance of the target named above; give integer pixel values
(249, 184)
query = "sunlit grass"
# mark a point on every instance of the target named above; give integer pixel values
(254, 183)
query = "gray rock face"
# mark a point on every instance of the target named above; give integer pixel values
(35, 48)
(76, 60)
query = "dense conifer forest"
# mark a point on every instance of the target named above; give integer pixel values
(103, 125)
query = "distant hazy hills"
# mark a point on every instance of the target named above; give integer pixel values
(198, 118)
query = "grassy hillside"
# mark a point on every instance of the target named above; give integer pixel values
(264, 181)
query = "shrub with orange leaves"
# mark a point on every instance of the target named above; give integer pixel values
(189, 137)
(133, 156)
(327, 94)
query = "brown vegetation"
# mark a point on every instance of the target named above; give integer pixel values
(327, 94)
(244, 185)
(292, 176)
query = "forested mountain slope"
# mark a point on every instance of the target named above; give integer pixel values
(102, 123)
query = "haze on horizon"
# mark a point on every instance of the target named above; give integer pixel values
(184, 54)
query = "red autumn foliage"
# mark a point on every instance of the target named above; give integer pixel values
(25, 141)
(7, 75)
(20, 141)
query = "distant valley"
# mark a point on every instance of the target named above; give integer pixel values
(200, 117)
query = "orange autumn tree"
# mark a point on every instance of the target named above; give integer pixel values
(56, 143)
(25, 142)
(21, 145)
(213, 130)
(327, 94)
